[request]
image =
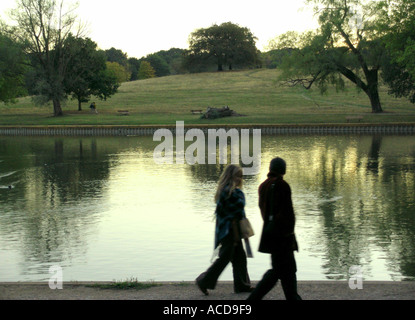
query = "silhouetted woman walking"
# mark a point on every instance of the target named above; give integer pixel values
(230, 210)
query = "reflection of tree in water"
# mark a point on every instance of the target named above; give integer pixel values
(374, 154)
(212, 172)
(59, 189)
(371, 208)
(205, 173)
(396, 227)
(345, 244)
(74, 171)
(363, 193)
(361, 187)
(206, 177)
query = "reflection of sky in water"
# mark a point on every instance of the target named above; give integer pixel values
(103, 210)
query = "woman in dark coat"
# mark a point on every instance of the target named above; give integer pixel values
(278, 214)
(230, 204)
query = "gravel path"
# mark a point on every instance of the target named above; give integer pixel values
(309, 290)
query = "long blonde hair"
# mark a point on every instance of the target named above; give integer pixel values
(232, 177)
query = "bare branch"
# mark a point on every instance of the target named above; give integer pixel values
(306, 83)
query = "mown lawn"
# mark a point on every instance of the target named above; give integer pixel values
(253, 93)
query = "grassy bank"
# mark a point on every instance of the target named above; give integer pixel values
(253, 93)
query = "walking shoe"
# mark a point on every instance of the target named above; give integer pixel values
(248, 289)
(201, 288)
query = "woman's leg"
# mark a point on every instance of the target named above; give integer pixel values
(209, 278)
(241, 281)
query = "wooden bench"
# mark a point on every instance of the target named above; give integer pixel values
(197, 111)
(354, 118)
(123, 112)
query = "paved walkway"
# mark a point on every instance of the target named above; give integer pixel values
(309, 290)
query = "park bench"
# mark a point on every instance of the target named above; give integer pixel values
(197, 111)
(354, 118)
(123, 112)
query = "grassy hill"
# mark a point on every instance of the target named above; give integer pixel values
(253, 93)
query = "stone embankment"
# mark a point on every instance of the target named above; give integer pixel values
(111, 130)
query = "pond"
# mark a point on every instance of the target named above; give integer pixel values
(103, 210)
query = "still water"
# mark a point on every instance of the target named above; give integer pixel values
(103, 210)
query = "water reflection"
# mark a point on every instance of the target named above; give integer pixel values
(362, 194)
(102, 209)
(49, 213)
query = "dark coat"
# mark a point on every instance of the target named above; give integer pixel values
(229, 208)
(277, 203)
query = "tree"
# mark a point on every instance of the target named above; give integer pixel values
(12, 69)
(163, 62)
(134, 65)
(146, 71)
(116, 55)
(159, 64)
(105, 84)
(44, 26)
(281, 47)
(346, 46)
(174, 58)
(86, 71)
(228, 43)
(399, 79)
(121, 73)
(398, 22)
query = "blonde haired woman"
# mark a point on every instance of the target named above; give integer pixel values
(230, 204)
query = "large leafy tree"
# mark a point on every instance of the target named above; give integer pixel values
(146, 71)
(159, 64)
(121, 73)
(134, 65)
(174, 59)
(87, 71)
(346, 46)
(398, 22)
(44, 26)
(117, 55)
(13, 65)
(105, 84)
(228, 43)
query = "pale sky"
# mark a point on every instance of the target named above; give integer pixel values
(141, 27)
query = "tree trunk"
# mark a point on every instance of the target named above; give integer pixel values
(57, 109)
(79, 105)
(373, 91)
(373, 94)
(371, 88)
(220, 67)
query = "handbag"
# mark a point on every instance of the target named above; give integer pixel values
(246, 229)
